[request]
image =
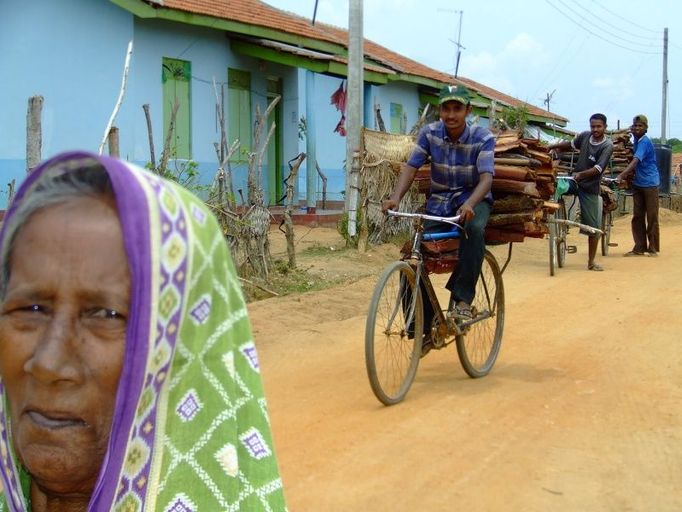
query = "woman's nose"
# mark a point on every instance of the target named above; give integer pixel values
(55, 358)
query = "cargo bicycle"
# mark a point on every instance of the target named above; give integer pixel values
(607, 216)
(405, 309)
(558, 227)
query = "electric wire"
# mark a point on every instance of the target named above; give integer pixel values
(598, 35)
(551, 75)
(600, 28)
(650, 38)
(624, 19)
(558, 61)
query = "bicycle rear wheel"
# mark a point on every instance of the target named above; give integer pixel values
(562, 232)
(478, 347)
(606, 220)
(553, 263)
(393, 333)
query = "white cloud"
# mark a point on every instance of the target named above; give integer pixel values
(616, 89)
(521, 57)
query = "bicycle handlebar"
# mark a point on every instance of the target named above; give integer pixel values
(448, 220)
(604, 179)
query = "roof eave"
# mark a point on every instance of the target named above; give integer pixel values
(143, 10)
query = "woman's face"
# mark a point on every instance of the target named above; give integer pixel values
(62, 340)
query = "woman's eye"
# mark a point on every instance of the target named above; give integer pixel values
(107, 314)
(33, 308)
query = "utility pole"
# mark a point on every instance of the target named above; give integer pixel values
(354, 109)
(548, 99)
(459, 38)
(664, 107)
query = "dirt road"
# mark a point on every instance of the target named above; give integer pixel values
(582, 412)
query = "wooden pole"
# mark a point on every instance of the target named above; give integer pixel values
(34, 132)
(363, 233)
(148, 117)
(12, 188)
(664, 106)
(288, 209)
(354, 108)
(324, 186)
(113, 142)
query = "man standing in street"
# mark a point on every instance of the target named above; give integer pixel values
(462, 167)
(645, 230)
(595, 153)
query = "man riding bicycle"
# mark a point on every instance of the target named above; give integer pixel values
(462, 168)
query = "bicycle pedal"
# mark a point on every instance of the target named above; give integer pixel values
(571, 249)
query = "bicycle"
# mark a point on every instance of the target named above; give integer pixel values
(397, 314)
(558, 228)
(607, 218)
(558, 231)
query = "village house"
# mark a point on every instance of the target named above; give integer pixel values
(71, 52)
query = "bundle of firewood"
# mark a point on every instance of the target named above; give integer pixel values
(622, 150)
(524, 182)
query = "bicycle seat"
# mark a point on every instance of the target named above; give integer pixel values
(430, 237)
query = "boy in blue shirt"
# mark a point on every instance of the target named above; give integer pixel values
(645, 230)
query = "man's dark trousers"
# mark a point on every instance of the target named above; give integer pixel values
(462, 282)
(645, 219)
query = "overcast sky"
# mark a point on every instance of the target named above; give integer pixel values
(593, 55)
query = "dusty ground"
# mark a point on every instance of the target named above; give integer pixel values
(582, 412)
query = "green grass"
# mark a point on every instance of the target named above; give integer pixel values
(318, 249)
(285, 281)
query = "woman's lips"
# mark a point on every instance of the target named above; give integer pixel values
(54, 421)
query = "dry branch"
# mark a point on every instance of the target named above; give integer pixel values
(165, 156)
(147, 116)
(121, 94)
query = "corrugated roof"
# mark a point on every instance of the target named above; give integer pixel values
(255, 12)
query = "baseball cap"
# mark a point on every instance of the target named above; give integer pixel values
(641, 118)
(454, 93)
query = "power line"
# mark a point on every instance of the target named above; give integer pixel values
(649, 38)
(624, 19)
(602, 29)
(634, 73)
(559, 62)
(598, 35)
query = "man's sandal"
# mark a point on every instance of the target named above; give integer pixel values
(634, 253)
(461, 311)
(595, 267)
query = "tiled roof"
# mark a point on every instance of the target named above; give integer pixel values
(255, 12)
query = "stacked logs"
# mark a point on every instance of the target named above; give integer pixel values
(622, 151)
(524, 181)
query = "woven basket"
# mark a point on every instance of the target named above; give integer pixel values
(383, 155)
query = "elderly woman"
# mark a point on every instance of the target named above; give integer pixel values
(128, 376)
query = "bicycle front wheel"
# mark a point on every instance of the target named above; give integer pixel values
(393, 333)
(606, 220)
(479, 345)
